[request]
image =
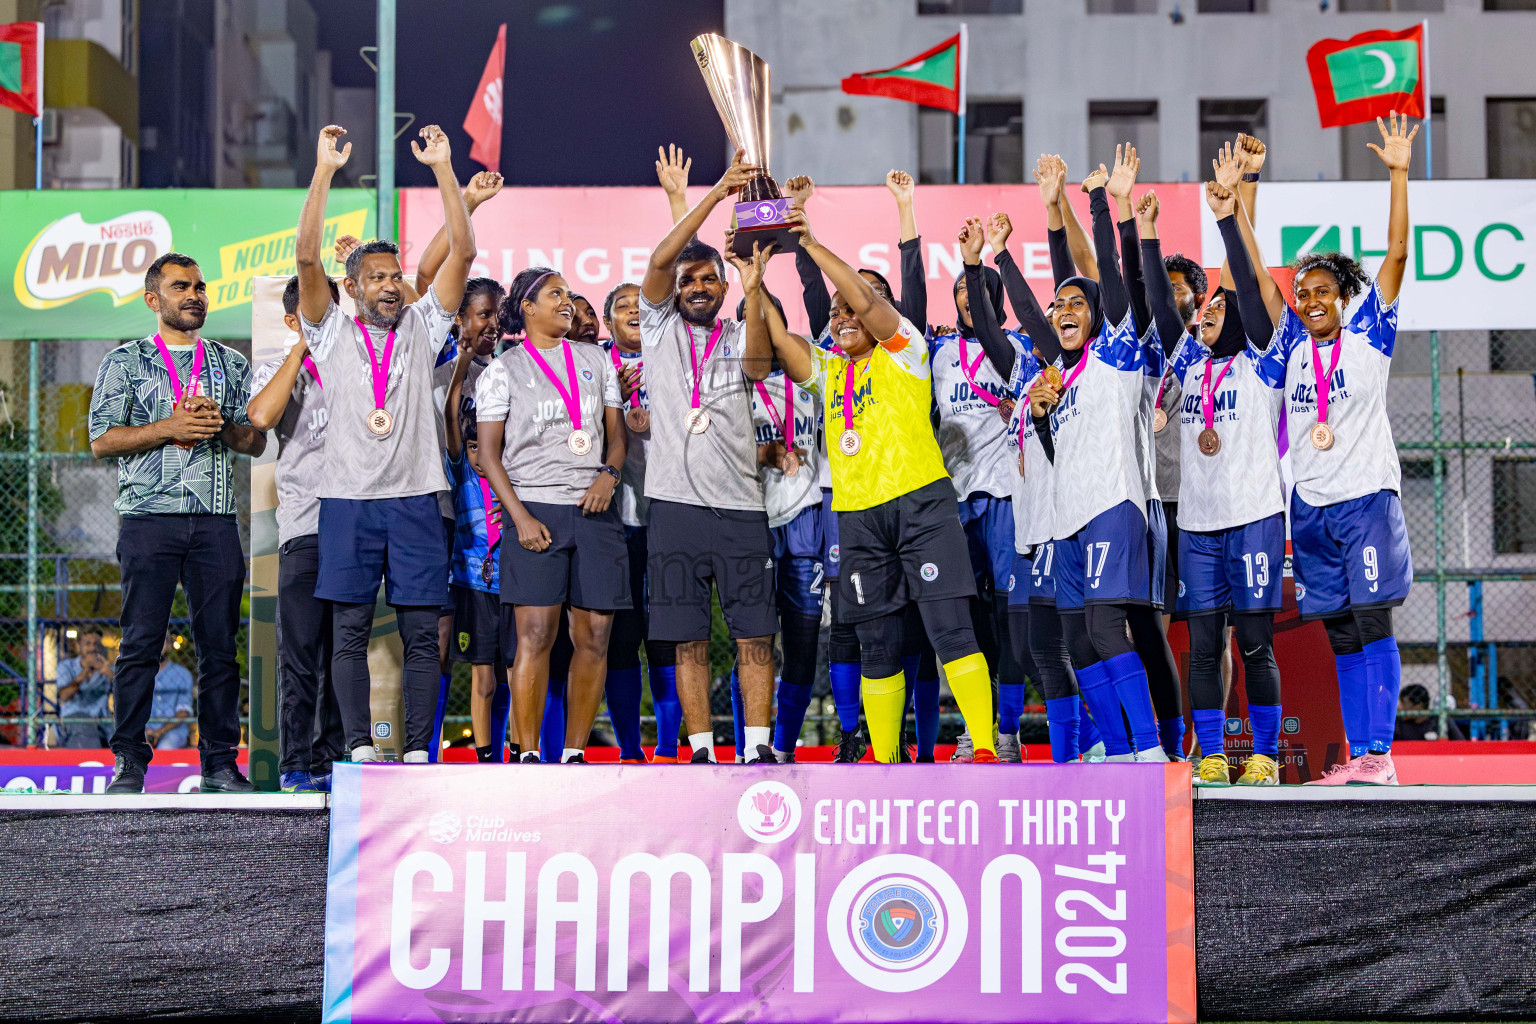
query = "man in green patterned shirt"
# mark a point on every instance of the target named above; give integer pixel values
(171, 409)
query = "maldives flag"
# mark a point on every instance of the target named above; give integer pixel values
(483, 122)
(934, 78)
(21, 67)
(1369, 76)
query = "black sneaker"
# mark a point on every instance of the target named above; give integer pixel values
(925, 759)
(849, 749)
(226, 780)
(532, 757)
(127, 776)
(575, 759)
(764, 755)
(700, 756)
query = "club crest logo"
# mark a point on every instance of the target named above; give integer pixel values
(444, 827)
(1182, 591)
(834, 553)
(766, 212)
(898, 924)
(769, 812)
(930, 571)
(586, 374)
(1301, 590)
(1010, 582)
(464, 642)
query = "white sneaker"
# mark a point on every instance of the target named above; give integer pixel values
(366, 752)
(415, 757)
(1156, 754)
(1117, 758)
(1094, 753)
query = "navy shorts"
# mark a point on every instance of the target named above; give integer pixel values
(1237, 569)
(1017, 586)
(1042, 574)
(1157, 553)
(1106, 562)
(911, 548)
(586, 564)
(476, 626)
(797, 548)
(1350, 555)
(988, 523)
(399, 540)
(693, 548)
(831, 554)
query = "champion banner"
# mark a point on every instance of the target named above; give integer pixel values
(802, 894)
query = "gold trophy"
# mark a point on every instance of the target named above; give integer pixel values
(737, 80)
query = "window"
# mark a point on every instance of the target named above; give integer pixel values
(1232, 6)
(1509, 5)
(1403, 6)
(970, 7)
(1111, 122)
(1358, 162)
(1512, 137)
(1122, 6)
(1512, 351)
(994, 143)
(1222, 120)
(1514, 506)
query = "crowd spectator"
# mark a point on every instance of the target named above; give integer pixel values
(85, 691)
(1421, 727)
(171, 707)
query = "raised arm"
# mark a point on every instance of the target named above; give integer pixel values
(757, 349)
(453, 437)
(1228, 167)
(480, 188)
(813, 287)
(878, 316)
(793, 352)
(1121, 180)
(1396, 151)
(1112, 295)
(314, 285)
(1078, 243)
(1250, 159)
(913, 303)
(1051, 174)
(1258, 320)
(672, 171)
(1164, 310)
(450, 280)
(658, 282)
(1000, 352)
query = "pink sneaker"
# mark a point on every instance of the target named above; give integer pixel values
(1375, 770)
(1339, 774)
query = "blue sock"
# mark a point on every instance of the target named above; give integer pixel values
(1010, 705)
(1171, 732)
(623, 690)
(1099, 694)
(501, 708)
(738, 715)
(845, 693)
(1384, 676)
(1265, 721)
(436, 741)
(1211, 730)
(669, 710)
(552, 733)
(1061, 719)
(925, 701)
(793, 699)
(1353, 702)
(1087, 732)
(1130, 680)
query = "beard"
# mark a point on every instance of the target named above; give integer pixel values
(706, 319)
(1188, 311)
(372, 314)
(185, 320)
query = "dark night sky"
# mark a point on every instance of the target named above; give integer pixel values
(592, 86)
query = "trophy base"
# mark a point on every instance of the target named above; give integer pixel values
(766, 223)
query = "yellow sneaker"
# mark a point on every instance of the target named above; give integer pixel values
(1213, 771)
(1259, 770)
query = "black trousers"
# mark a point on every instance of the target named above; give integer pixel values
(202, 553)
(308, 717)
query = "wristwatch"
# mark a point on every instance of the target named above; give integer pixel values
(605, 468)
(1251, 176)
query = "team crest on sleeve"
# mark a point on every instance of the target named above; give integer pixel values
(586, 374)
(930, 572)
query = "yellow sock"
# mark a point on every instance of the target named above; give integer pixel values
(971, 684)
(885, 702)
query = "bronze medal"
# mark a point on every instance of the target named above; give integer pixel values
(1209, 441)
(1159, 421)
(638, 420)
(580, 442)
(791, 462)
(1005, 410)
(487, 567)
(380, 422)
(697, 421)
(1051, 377)
(849, 443)
(1021, 463)
(1322, 437)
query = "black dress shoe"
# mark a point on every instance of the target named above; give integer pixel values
(127, 776)
(226, 780)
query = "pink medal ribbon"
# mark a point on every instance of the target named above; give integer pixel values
(618, 366)
(693, 355)
(970, 368)
(309, 364)
(1208, 392)
(170, 368)
(488, 498)
(1325, 380)
(1026, 417)
(573, 399)
(784, 424)
(848, 396)
(380, 370)
(1078, 369)
(1162, 386)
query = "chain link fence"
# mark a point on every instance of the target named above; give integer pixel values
(1467, 633)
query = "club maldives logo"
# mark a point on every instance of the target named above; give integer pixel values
(73, 257)
(769, 812)
(897, 923)
(444, 827)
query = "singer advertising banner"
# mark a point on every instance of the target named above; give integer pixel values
(809, 893)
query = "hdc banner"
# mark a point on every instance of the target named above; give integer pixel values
(814, 893)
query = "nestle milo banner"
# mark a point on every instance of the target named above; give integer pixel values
(75, 260)
(1471, 250)
(800, 894)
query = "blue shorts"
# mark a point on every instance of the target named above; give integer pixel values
(1019, 580)
(1350, 555)
(1042, 574)
(988, 523)
(1237, 569)
(397, 539)
(1106, 562)
(831, 555)
(1157, 552)
(797, 547)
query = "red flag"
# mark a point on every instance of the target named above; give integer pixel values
(1368, 76)
(934, 78)
(21, 67)
(483, 122)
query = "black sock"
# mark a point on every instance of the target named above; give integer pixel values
(485, 754)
